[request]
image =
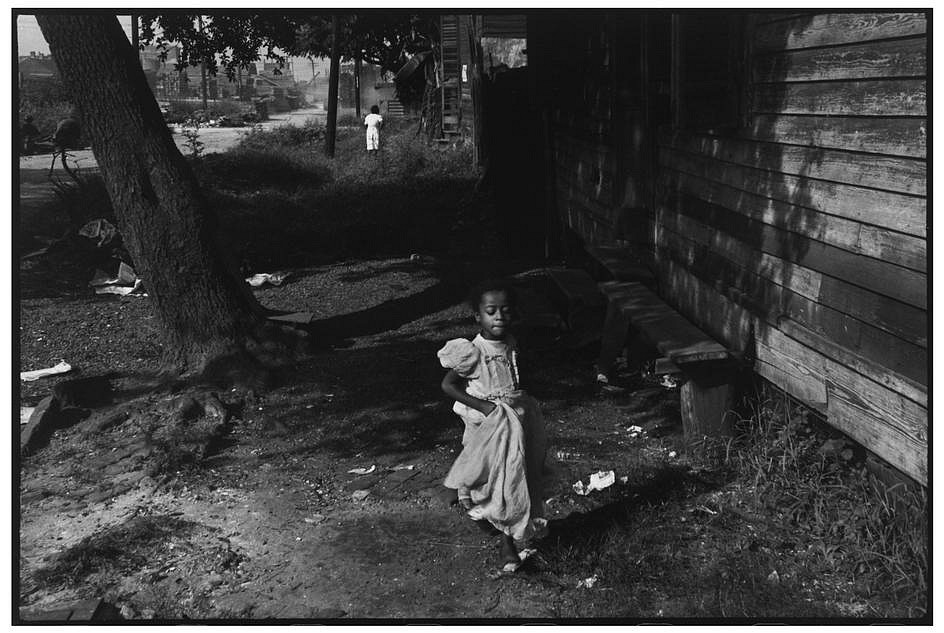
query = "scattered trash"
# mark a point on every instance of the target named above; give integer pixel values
(624, 479)
(25, 413)
(402, 467)
(774, 578)
(275, 279)
(315, 518)
(363, 471)
(635, 431)
(669, 382)
(120, 290)
(100, 230)
(360, 495)
(602, 379)
(587, 583)
(672, 454)
(60, 368)
(567, 455)
(598, 481)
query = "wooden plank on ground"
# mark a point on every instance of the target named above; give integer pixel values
(904, 175)
(879, 135)
(715, 254)
(881, 277)
(671, 333)
(873, 60)
(885, 97)
(863, 239)
(709, 292)
(836, 28)
(893, 211)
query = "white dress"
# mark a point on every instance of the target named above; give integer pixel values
(373, 123)
(502, 458)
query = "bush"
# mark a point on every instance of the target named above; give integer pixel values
(180, 111)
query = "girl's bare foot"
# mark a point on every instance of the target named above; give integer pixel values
(509, 553)
(465, 503)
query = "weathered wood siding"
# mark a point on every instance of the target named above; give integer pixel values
(803, 237)
(587, 70)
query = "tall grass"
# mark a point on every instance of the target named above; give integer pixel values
(799, 469)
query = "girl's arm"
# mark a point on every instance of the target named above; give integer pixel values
(453, 385)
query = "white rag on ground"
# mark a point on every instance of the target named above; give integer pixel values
(61, 368)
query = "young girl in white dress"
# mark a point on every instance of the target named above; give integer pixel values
(498, 474)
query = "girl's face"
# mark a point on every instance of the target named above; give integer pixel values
(495, 315)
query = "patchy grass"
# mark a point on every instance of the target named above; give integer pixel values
(785, 522)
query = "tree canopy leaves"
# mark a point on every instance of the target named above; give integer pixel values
(234, 39)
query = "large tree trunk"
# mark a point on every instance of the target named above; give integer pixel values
(332, 123)
(204, 310)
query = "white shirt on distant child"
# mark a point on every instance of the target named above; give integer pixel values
(373, 123)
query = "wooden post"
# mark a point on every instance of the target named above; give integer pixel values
(706, 410)
(332, 123)
(357, 87)
(480, 149)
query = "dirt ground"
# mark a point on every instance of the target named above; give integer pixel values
(266, 520)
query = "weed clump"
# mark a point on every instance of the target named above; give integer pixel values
(849, 523)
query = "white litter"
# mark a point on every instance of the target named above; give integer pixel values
(60, 368)
(360, 495)
(669, 382)
(598, 481)
(363, 471)
(403, 467)
(672, 454)
(624, 479)
(587, 583)
(259, 279)
(635, 429)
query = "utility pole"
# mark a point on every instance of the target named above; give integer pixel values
(332, 123)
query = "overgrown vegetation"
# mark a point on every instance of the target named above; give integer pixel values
(784, 522)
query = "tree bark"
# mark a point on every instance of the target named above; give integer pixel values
(332, 123)
(203, 308)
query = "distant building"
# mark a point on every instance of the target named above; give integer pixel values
(37, 67)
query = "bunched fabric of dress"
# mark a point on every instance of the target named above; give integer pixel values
(502, 458)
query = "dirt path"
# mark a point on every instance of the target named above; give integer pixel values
(274, 525)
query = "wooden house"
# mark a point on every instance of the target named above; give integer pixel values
(770, 168)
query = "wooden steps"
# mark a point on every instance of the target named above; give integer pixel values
(619, 264)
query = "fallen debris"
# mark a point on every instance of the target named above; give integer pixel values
(275, 279)
(360, 495)
(402, 467)
(363, 471)
(61, 367)
(598, 481)
(669, 382)
(588, 583)
(101, 231)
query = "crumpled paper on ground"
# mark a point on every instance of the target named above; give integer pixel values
(60, 368)
(259, 279)
(363, 471)
(598, 481)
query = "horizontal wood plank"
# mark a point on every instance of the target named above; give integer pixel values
(756, 296)
(895, 137)
(905, 422)
(893, 211)
(892, 97)
(738, 264)
(671, 333)
(717, 315)
(836, 28)
(903, 175)
(863, 239)
(873, 60)
(875, 275)
(898, 383)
